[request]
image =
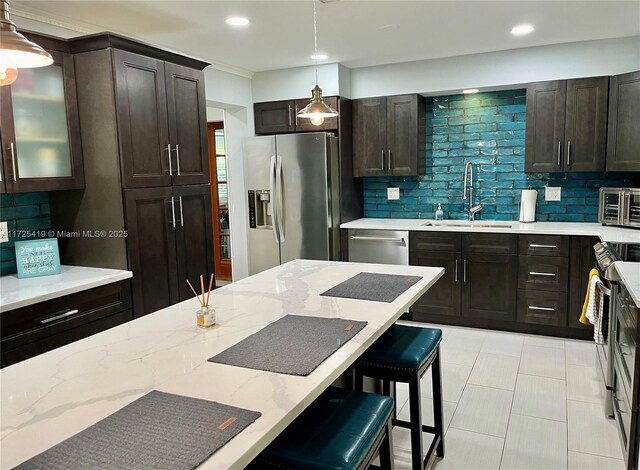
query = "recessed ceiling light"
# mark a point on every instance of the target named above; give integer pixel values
(237, 21)
(319, 56)
(522, 29)
(470, 91)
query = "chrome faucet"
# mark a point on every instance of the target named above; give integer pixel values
(468, 176)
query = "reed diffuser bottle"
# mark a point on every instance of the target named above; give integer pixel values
(206, 315)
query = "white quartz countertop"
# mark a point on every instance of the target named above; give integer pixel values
(16, 293)
(630, 274)
(606, 233)
(51, 397)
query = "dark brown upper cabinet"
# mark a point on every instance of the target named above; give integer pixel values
(624, 116)
(566, 125)
(387, 132)
(161, 122)
(41, 147)
(281, 117)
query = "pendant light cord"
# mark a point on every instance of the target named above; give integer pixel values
(315, 38)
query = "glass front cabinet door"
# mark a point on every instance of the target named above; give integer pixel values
(40, 129)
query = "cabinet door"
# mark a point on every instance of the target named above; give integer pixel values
(624, 115)
(304, 125)
(444, 297)
(194, 236)
(370, 137)
(489, 286)
(582, 259)
(152, 222)
(585, 131)
(275, 117)
(402, 135)
(143, 131)
(187, 116)
(545, 126)
(41, 130)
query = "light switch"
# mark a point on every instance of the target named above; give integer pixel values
(393, 194)
(552, 193)
(4, 232)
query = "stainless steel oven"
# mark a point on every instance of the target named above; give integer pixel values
(619, 206)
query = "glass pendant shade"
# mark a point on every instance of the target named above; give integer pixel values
(16, 51)
(317, 109)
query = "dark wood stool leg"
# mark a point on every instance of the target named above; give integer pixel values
(416, 423)
(437, 402)
(386, 449)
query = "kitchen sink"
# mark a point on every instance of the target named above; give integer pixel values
(468, 223)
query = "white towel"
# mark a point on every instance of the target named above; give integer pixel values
(595, 309)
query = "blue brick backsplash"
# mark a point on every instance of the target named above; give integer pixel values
(23, 212)
(489, 130)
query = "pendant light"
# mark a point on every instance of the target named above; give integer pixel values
(317, 110)
(16, 51)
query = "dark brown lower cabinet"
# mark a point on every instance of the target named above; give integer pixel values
(543, 273)
(489, 286)
(542, 307)
(38, 328)
(444, 297)
(170, 241)
(582, 259)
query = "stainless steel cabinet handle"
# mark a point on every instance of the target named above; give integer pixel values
(178, 158)
(168, 149)
(456, 272)
(290, 123)
(296, 113)
(464, 271)
(58, 317)
(534, 273)
(181, 216)
(378, 239)
(173, 211)
(382, 160)
(13, 161)
(568, 152)
(546, 309)
(559, 152)
(389, 159)
(533, 245)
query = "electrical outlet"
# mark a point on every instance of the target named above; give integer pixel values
(393, 194)
(552, 193)
(4, 235)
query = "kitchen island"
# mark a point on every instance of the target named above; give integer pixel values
(51, 397)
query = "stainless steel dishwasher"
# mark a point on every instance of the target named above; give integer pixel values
(379, 246)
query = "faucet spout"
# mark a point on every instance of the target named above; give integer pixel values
(468, 184)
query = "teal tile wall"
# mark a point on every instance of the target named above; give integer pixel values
(23, 213)
(489, 130)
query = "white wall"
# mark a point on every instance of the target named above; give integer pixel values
(495, 69)
(286, 84)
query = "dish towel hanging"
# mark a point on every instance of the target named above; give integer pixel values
(594, 306)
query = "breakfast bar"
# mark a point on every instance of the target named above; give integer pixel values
(56, 395)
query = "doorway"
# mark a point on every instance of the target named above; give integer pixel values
(219, 200)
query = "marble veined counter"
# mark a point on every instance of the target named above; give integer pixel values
(16, 293)
(48, 398)
(605, 232)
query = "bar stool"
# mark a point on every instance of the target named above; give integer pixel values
(403, 354)
(341, 429)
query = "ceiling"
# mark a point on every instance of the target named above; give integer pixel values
(356, 33)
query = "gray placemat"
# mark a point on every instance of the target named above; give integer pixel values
(159, 430)
(373, 286)
(293, 345)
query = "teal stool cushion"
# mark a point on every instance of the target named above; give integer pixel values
(402, 347)
(335, 432)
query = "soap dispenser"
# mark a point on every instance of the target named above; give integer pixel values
(439, 213)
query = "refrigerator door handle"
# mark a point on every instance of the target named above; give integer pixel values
(279, 208)
(272, 193)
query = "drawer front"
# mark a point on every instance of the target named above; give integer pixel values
(621, 409)
(625, 350)
(498, 243)
(543, 245)
(628, 307)
(542, 307)
(543, 273)
(37, 321)
(434, 241)
(29, 350)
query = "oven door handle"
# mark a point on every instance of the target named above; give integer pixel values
(604, 289)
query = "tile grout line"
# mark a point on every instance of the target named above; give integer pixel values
(513, 398)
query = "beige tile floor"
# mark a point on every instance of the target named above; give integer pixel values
(514, 401)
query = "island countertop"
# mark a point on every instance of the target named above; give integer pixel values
(16, 293)
(51, 397)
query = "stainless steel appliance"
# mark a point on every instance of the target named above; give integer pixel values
(619, 206)
(379, 246)
(293, 196)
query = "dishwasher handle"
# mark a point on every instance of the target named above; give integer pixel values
(379, 239)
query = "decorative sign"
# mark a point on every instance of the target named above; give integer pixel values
(37, 257)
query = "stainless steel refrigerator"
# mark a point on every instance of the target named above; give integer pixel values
(293, 196)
